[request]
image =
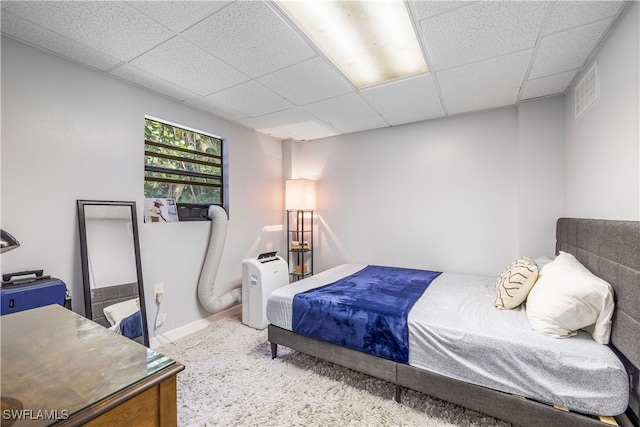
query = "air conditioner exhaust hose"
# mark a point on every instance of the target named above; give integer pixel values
(206, 284)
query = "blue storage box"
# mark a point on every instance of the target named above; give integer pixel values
(38, 291)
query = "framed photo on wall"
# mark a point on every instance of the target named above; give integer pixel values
(160, 210)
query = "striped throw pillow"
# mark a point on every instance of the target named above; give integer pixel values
(515, 282)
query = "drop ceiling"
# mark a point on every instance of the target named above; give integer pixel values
(246, 62)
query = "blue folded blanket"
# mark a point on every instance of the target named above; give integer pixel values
(131, 326)
(366, 311)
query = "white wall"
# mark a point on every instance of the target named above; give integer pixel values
(541, 179)
(71, 133)
(603, 144)
(445, 194)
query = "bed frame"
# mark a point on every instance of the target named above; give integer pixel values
(610, 249)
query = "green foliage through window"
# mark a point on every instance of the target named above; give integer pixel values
(181, 164)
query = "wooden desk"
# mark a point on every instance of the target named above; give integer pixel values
(66, 370)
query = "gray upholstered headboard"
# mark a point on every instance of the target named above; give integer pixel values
(104, 297)
(610, 250)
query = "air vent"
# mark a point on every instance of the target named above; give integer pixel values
(586, 93)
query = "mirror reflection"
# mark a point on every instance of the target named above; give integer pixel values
(112, 276)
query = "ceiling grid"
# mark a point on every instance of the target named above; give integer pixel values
(246, 62)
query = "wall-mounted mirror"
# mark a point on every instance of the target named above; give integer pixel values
(111, 271)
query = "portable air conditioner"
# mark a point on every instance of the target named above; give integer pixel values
(261, 276)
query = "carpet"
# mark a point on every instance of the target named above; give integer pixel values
(231, 380)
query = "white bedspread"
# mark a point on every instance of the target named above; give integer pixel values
(454, 330)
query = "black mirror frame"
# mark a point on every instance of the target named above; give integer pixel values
(85, 261)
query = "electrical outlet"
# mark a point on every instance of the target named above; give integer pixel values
(158, 291)
(161, 319)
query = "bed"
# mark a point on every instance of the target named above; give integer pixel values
(118, 309)
(549, 389)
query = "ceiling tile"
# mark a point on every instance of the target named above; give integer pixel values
(252, 123)
(412, 115)
(418, 91)
(178, 15)
(309, 81)
(483, 101)
(305, 131)
(348, 113)
(567, 50)
(481, 30)
(406, 101)
(427, 9)
(252, 99)
(286, 117)
(141, 78)
(215, 107)
(107, 26)
(503, 72)
(251, 37)
(550, 85)
(569, 14)
(36, 35)
(357, 124)
(340, 109)
(184, 64)
(273, 132)
(262, 127)
(298, 123)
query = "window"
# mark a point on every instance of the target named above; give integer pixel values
(183, 165)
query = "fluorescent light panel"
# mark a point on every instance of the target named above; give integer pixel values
(371, 42)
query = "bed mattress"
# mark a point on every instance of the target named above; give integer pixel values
(454, 330)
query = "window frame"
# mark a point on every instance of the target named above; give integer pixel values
(190, 211)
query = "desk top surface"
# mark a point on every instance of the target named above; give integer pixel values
(56, 363)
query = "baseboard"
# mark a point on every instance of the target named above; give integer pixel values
(177, 333)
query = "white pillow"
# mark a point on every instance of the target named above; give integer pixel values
(568, 297)
(515, 282)
(116, 312)
(543, 260)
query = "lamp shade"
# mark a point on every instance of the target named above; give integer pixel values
(300, 194)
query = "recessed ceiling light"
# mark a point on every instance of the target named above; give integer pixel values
(371, 42)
